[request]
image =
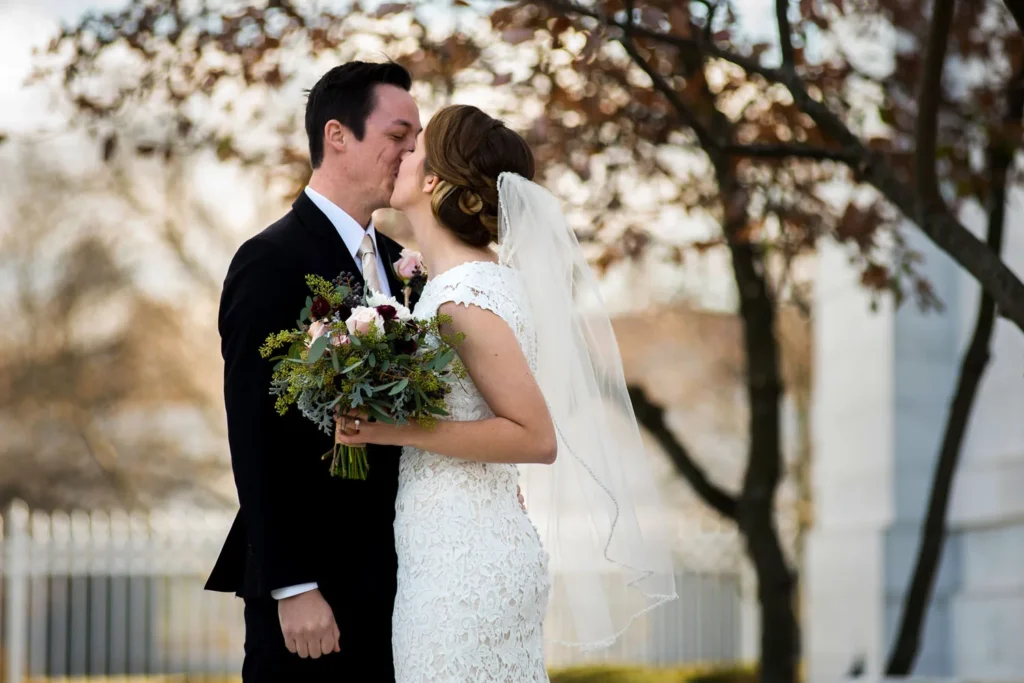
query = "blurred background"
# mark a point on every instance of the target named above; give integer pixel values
(807, 216)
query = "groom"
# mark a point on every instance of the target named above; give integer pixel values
(312, 555)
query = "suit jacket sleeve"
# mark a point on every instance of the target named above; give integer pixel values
(263, 293)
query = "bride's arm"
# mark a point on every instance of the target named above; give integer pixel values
(520, 432)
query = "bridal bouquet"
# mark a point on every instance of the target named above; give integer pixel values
(361, 352)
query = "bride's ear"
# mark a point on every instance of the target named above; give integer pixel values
(429, 183)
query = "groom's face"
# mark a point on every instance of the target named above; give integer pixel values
(391, 130)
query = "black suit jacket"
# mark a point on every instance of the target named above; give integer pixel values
(296, 523)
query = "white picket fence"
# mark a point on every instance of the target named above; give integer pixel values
(116, 594)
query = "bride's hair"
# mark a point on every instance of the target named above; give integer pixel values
(467, 150)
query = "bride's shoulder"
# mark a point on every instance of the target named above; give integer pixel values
(473, 282)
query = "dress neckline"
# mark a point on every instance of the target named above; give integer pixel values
(462, 266)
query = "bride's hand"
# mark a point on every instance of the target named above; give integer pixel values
(347, 424)
(354, 429)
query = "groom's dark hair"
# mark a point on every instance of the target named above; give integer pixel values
(347, 95)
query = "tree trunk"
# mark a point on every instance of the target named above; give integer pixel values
(756, 505)
(933, 537)
(756, 509)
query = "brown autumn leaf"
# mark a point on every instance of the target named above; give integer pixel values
(389, 8)
(875, 276)
(517, 36)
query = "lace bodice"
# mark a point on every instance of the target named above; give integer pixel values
(472, 574)
(489, 286)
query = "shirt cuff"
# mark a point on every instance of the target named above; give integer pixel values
(292, 591)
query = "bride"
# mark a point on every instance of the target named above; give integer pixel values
(545, 395)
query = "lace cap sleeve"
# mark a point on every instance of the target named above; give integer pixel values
(491, 287)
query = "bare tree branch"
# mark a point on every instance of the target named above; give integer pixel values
(785, 33)
(688, 116)
(100, 449)
(928, 100)
(933, 536)
(936, 222)
(652, 417)
(795, 150)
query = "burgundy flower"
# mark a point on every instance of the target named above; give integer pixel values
(320, 307)
(387, 312)
(406, 346)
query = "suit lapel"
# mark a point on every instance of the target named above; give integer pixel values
(389, 251)
(331, 249)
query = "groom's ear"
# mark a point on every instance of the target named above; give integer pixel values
(335, 135)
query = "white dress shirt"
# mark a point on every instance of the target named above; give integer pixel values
(352, 234)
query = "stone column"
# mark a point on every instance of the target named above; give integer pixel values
(883, 382)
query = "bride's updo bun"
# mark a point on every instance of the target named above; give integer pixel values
(467, 150)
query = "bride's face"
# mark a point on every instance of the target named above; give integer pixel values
(413, 186)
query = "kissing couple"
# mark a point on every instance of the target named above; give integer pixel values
(430, 570)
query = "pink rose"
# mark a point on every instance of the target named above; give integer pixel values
(408, 264)
(363, 319)
(317, 329)
(340, 340)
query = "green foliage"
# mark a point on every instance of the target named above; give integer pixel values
(322, 288)
(400, 369)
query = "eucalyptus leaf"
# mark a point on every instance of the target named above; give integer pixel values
(443, 360)
(317, 349)
(380, 414)
(335, 362)
(351, 367)
(400, 388)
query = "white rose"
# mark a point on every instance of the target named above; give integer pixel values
(378, 299)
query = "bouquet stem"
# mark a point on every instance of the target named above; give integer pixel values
(349, 462)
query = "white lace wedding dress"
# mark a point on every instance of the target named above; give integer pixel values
(472, 574)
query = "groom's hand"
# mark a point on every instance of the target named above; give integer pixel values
(308, 625)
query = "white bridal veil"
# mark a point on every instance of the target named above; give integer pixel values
(597, 507)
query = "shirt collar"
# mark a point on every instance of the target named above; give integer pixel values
(350, 231)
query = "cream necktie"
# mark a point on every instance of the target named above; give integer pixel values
(369, 260)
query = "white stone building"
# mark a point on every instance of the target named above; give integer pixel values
(883, 384)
